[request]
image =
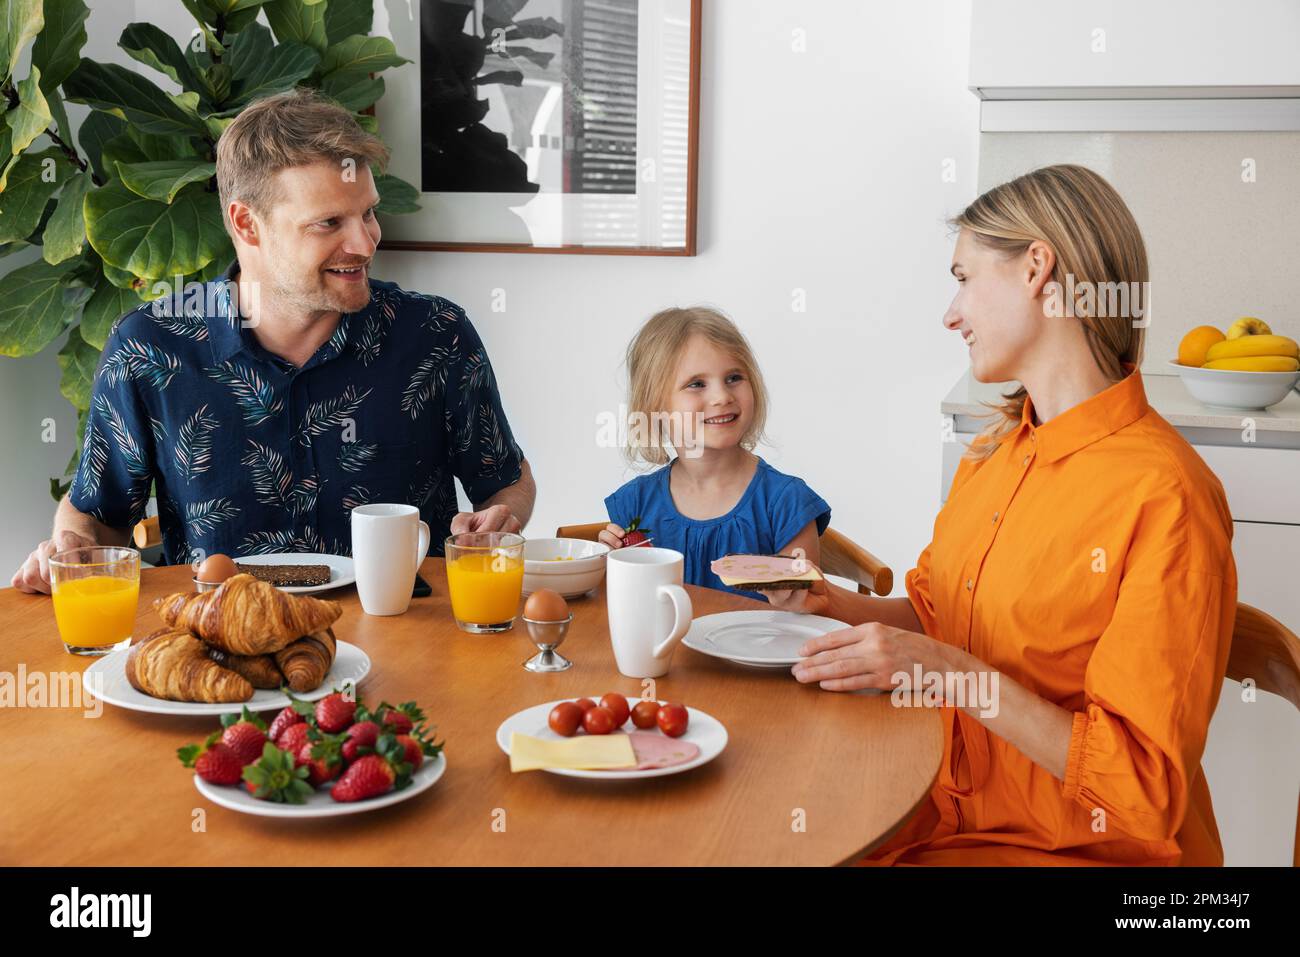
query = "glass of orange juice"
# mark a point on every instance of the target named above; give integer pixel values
(95, 591)
(485, 576)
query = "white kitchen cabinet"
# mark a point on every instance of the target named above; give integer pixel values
(1032, 49)
(1252, 754)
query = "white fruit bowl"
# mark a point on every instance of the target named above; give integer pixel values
(1231, 389)
(570, 566)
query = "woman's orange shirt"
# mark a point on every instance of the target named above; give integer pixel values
(1090, 560)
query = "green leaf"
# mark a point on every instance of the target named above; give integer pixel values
(32, 182)
(227, 7)
(21, 21)
(163, 180)
(396, 196)
(353, 91)
(60, 115)
(57, 50)
(342, 20)
(96, 130)
(300, 21)
(107, 86)
(77, 359)
(201, 17)
(261, 68)
(31, 117)
(152, 47)
(154, 240)
(359, 54)
(367, 122)
(65, 233)
(123, 279)
(106, 306)
(32, 310)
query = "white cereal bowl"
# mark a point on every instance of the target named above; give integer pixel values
(570, 566)
(1231, 389)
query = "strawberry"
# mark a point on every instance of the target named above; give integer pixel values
(334, 712)
(369, 776)
(401, 719)
(213, 761)
(361, 735)
(293, 738)
(635, 535)
(277, 777)
(282, 720)
(323, 758)
(414, 752)
(245, 735)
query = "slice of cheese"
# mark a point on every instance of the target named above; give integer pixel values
(589, 752)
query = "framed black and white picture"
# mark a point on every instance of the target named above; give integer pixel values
(565, 126)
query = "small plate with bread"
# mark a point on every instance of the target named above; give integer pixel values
(239, 645)
(298, 573)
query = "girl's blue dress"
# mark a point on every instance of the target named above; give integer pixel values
(773, 510)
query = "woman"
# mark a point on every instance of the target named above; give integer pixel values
(1081, 568)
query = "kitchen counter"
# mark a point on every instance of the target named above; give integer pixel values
(1275, 427)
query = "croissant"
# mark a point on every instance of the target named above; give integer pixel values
(306, 661)
(174, 665)
(260, 670)
(244, 616)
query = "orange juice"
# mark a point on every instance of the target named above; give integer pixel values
(484, 588)
(95, 611)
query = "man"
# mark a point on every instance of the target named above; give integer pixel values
(302, 387)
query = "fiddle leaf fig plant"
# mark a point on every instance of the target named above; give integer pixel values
(126, 207)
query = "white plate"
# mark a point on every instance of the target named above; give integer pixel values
(320, 804)
(351, 664)
(759, 639)
(703, 730)
(342, 571)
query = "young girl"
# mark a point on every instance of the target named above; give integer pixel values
(695, 386)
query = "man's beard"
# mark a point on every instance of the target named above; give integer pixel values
(322, 297)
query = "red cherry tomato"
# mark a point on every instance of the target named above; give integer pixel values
(586, 704)
(598, 720)
(617, 705)
(672, 720)
(645, 714)
(565, 718)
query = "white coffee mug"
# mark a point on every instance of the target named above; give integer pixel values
(649, 610)
(388, 544)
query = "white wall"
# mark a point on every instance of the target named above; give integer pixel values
(819, 171)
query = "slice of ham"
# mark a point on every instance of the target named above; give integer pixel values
(760, 568)
(655, 750)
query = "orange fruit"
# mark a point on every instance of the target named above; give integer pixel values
(1191, 351)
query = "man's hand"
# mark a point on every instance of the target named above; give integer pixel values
(34, 575)
(496, 518)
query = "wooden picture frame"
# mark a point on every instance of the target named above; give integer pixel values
(461, 219)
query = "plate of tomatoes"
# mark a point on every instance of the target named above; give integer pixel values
(667, 737)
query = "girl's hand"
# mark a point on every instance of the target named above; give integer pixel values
(612, 535)
(803, 601)
(866, 656)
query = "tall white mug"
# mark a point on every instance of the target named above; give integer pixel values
(388, 544)
(649, 610)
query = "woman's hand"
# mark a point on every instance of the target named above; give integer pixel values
(612, 535)
(867, 656)
(804, 601)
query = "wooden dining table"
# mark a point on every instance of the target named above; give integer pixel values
(808, 777)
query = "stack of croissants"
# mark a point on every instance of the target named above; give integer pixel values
(220, 645)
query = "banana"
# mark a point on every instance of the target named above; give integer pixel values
(1249, 326)
(1256, 364)
(1261, 345)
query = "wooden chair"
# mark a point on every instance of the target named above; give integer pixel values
(841, 557)
(1267, 652)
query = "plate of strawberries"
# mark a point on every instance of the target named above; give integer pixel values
(317, 759)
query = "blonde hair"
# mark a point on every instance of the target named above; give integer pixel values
(1096, 241)
(652, 359)
(295, 128)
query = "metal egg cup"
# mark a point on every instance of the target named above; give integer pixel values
(548, 635)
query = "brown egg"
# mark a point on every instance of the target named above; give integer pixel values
(216, 568)
(546, 605)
